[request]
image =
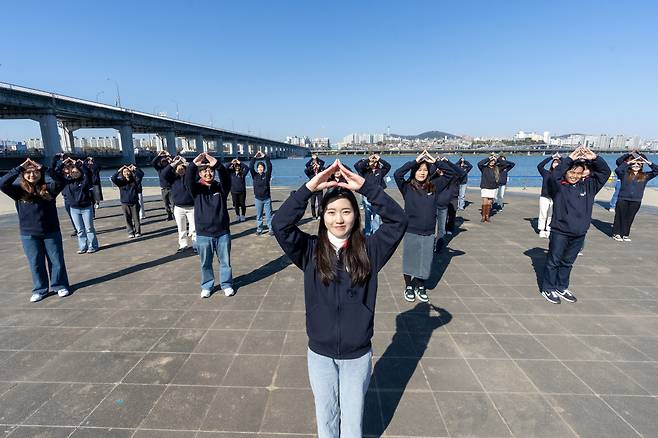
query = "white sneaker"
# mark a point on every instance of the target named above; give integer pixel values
(205, 293)
(63, 292)
(542, 234)
(618, 238)
(611, 210)
(37, 297)
(626, 239)
(229, 292)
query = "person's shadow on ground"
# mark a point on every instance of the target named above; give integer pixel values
(538, 259)
(397, 364)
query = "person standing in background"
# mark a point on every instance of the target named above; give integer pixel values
(261, 175)
(463, 183)
(238, 172)
(505, 167)
(312, 168)
(373, 168)
(546, 199)
(159, 163)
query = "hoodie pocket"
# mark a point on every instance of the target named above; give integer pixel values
(356, 326)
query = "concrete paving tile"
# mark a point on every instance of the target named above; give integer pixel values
(164, 434)
(292, 373)
(529, 415)
(70, 405)
(295, 343)
(143, 319)
(233, 319)
(203, 369)
(98, 432)
(551, 376)
(25, 365)
(290, 411)
(644, 373)
(463, 323)
(180, 407)
(17, 338)
(411, 414)
(251, 371)
(501, 324)
(41, 432)
(471, 415)
(220, 341)
(604, 378)
(117, 339)
(126, 406)
(156, 368)
(24, 399)
(523, 347)
(450, 375)
(612, 348)
(180, 340)
(262, 342)
(237, 409)
(438, 345)
(478, 346)
(197, 319)
(92, 367)
(567, 347)
(590, 416)
(640, 412)
(501, 376)
(269, 320)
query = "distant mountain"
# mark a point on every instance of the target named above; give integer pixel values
(427, 135)
(567, 135)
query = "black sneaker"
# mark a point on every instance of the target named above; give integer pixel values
(567, 295)
(421, 293)
(551, 296)
(409, 294)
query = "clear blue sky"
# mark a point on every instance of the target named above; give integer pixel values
(314, 68)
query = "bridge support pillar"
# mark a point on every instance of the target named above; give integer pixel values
(200, 147)
(127, 147)
(170, 137)
(50, 136)
(71, 140)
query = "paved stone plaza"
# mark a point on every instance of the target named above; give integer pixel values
(135, 352)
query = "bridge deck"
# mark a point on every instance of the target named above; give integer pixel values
(135, 352)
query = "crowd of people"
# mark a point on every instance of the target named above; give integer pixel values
(342, 261)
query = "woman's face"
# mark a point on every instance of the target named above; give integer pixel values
(260, 168)
(207, 175)
(32, 175)
(180, 170)
(574, 174)
(636, 167)
(74, 172)
(339, 217)
(492, 163)
(126, 173)
(421, 173)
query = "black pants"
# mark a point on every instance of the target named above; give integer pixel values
(625, 212)
(131, 213)
(562, 253)
(452, 215)
(316, 201)
(168, 201)
(240, 203)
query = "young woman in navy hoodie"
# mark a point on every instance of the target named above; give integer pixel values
(546, 199)
(129, 181)
(420, 205)
(174, 173)
(39, 227)
(633, 181)
(213, 236)
(573, 198)
(340, 266)
(261, 175)
(239, 172)
(314, 166)
(374, 169)
(445, 176)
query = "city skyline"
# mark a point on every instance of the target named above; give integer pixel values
(279, 68)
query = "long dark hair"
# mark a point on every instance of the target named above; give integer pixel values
(354, 256)
(639, 176)
(36, 191)
(417, 185)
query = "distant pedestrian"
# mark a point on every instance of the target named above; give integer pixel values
(546, 198)
(174, 172)
(573, 199)
(211, 220)
(159, 163)
(39, 227)
(129, 180)
(489, 183)
(314, 166)
(97, 187)
(375, 169)
(621, 159)
(463, 183)
(56, 162)
(340, 267)
(238, 172)
(261, 175)
(633, 182)
(505, 167)
(445, 176)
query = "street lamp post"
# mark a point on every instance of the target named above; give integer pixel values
(177, 112)
(98, 95)
(118, 101)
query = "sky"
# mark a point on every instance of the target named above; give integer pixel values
(327, 69)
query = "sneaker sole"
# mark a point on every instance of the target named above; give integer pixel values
(411, 300)
(550, 301)
(568, 300)
(424, 300)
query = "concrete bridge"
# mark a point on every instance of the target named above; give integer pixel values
(60, 116)
(549, 150)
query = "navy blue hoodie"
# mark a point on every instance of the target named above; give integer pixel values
(572, 203)
(419, 205)
(157, 165)
(339, 315)
(632, 189)
(545, 174)
(210, 210)
(179, 193)
(129, 189)
(466, 168)
(261, 182)
(505, 167)
(37, 216)
(310, 172)
(447, 185)
(488, 179)
(77, 192)
(238, 180)
(378, 175)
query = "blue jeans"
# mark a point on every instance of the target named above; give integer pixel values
(461, 200)
(45, 254)
(372, 219)
(83, 219)
(441, 218)
(562, 252)
(613, 201)
(260, 206)
(339, 389)
(208, 247)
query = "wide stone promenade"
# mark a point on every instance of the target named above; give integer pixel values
(135, 352)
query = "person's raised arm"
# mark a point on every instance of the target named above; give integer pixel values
(7, 183)
(252, 167)
(168, 173)
(482, 164)
(454, 171)
(600, 172)
(224, 178)
(138, 175)
(189, 180)
(621, 170)
(508, 165)
(361, 166)
(541, 167)
(400, 173)
(467, 166)
(118, 179)
(621, 159)
(386, 166)
(268, 171)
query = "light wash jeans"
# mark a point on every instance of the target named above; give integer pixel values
(142, 210)
(339, 389)
(83, 219)
(500, 196)
(45, 254)
(372, 219)
(441, 218)
(185, 217)
(613, 201)
(461, 200)
(208, 247)
(260, 206)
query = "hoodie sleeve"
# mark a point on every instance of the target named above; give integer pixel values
(169, 174)
(268, 171)
(7, 184)
(386, 167)
(293, 241)
(541, 167)
(654, 172)
(189, 180)
(360, 167)
(224, 178)
(118, 180)
(600, 173)
(252, 167)
(621, 170)
(467, 166)
(400, 174)
(482, 164)
(382, 244)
